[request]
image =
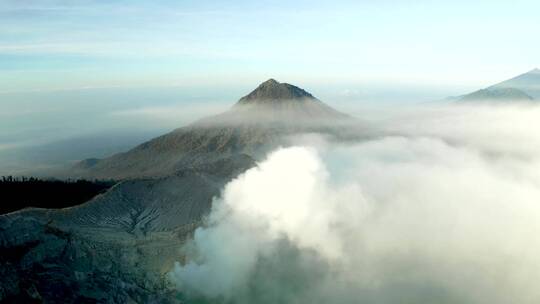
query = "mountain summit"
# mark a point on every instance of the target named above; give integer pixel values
(258, 122)
(283, 103)
(274, 91)
(124, 241)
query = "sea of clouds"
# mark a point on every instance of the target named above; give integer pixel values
(443, 207)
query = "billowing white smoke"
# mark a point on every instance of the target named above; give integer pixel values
(391, 220)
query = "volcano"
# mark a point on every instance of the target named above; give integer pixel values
(274, 91)
(120, 245)
(258, 122)
(127, 238)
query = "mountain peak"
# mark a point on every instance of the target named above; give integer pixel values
(270, 81)
(273, 90)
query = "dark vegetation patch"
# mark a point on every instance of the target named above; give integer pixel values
(20, 192)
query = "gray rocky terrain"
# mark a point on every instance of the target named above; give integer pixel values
(257, 122)
(119, 247)
(116, 248)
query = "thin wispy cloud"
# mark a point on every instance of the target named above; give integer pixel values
(347, 40)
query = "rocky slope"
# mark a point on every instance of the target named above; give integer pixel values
(118, 247)
(256, 123)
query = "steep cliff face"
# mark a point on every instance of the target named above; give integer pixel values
(116, 248)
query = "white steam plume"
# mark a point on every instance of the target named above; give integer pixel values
(391, 220)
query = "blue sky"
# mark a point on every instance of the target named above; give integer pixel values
(79, 68)
(47, 45)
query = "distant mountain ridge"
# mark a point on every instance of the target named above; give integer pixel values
(524, 88)
(529, 83)
(497, 94)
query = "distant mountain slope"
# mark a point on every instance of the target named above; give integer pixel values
(525, 87)
(529, 83)
(258, 121)
(497, 94)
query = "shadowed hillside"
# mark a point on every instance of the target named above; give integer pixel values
(19, 193)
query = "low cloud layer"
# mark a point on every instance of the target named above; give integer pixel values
(447, 211)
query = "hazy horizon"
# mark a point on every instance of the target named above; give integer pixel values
(43, 130)
(57, 45)
(85, 69)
